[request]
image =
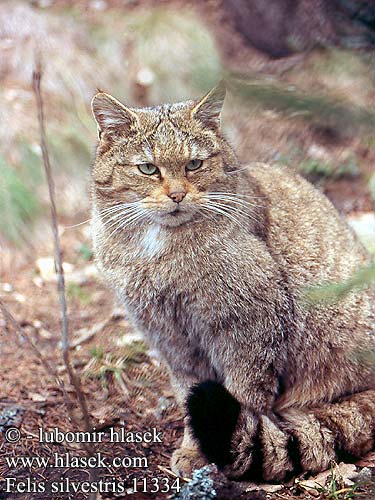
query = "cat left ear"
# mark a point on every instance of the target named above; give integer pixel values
(111, 116)
(208, 109)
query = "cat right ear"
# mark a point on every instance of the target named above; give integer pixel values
(112, 117)
(207, 110)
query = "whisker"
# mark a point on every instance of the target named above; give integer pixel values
(121, 216)
(126, 222)
(208, 217)
(118, 206)
(233, 172)
(224, 213)
(240, 195)
(117, 211)
(232, 209)
(79, 224)
(131, 220)
(234, 199)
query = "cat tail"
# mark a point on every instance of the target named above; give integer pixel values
(294, 441)
(213, 414)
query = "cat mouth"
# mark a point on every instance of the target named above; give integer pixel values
(175, 212)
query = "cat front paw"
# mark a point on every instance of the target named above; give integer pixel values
(184, 460)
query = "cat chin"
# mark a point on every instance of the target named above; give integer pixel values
(173, 219)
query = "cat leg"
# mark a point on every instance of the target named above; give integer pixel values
(188, 456)
(274, 450)
(351, 421)
(256, 392)
(241, 443)
(294, 443)
(331, 431)
(311, 445)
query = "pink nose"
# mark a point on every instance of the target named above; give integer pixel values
(177, 196)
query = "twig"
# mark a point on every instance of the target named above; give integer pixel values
(37, 76)
(73, 377)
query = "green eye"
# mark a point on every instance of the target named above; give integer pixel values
(194, 165)
(148, 168)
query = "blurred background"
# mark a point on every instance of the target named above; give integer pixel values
(301, 81)
(301, 75)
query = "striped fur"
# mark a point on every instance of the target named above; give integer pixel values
(271, 448)
(215, 282)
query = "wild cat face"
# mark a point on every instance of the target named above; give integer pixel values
(159, 164)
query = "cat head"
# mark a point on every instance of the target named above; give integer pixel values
(161, 161)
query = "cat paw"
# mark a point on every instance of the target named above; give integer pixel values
(185, 460)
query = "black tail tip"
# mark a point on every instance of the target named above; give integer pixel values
(213, 414)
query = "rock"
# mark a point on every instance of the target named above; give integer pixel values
(208, 484)
(11, 416)
(6, 287)
(367, 461)
(145, 76)
(19, 297)
(319, 153)
(46, 268)
(364, 226)
(38, 398)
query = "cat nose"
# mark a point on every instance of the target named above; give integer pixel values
(177, 196)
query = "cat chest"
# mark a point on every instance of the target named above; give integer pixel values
(168, 293)
(166, 289)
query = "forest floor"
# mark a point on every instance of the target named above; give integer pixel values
(125, 384)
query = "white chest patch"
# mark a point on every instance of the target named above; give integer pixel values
(152, 243)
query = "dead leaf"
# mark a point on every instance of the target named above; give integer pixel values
(38, 398)
(367, 461)
(343, 472)
(268, 488)
(85, 334)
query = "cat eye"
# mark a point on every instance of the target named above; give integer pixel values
(193, 165)
(148, 168)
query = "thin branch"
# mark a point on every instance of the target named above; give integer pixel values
(74, 379)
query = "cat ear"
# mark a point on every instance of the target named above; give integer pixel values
(208, 109)
(111, 116)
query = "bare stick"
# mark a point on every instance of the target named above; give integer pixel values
(73, 377)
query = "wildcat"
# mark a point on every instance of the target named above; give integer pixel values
(210, 260)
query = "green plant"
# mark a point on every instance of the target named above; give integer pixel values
(329, 293)
(294, 103)
(85, 252)
(321, 169)
(75, 291)
(316, 168)
(18, 204)
(105, 364)
(372, 187)
(334, 488)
